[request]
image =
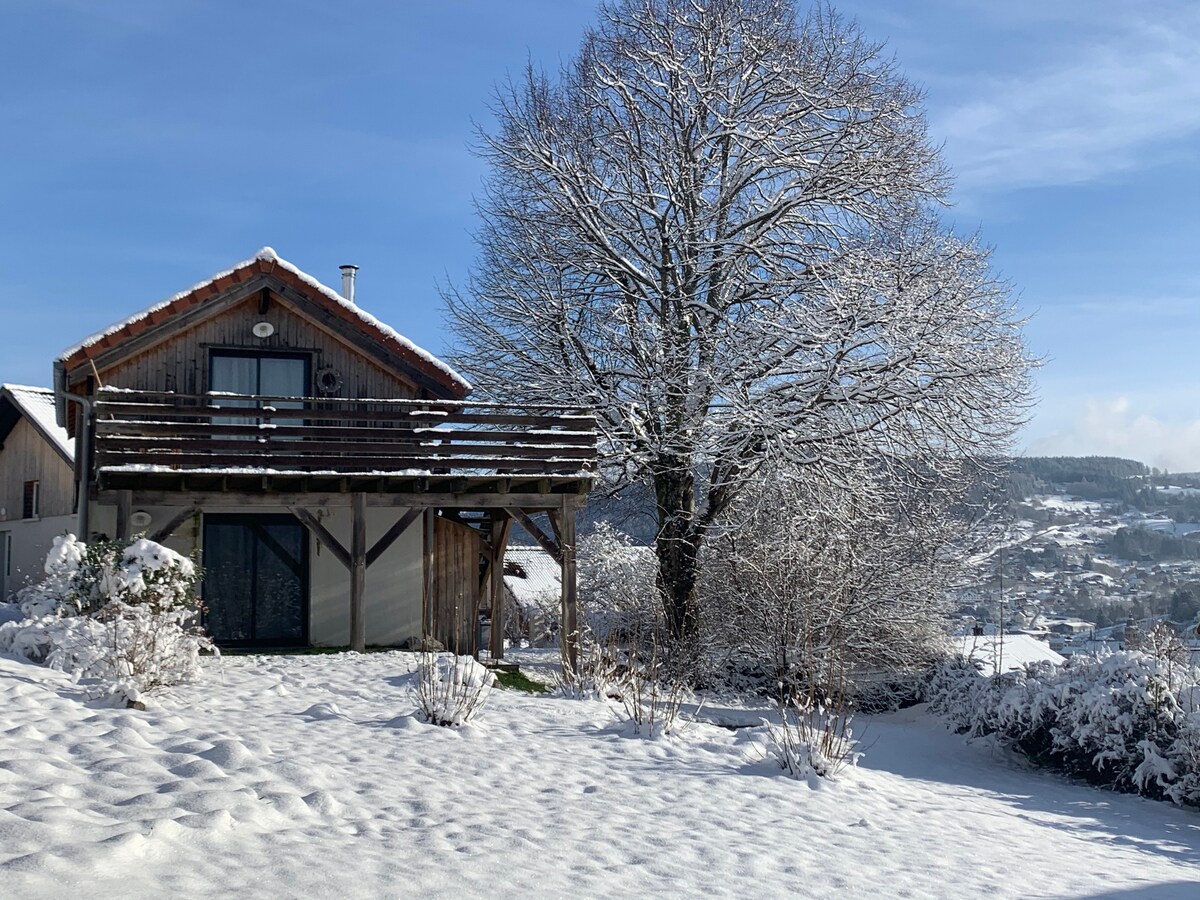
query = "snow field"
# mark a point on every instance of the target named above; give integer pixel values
(310, 775)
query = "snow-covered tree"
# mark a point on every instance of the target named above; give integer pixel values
(717, 226)
(839, 589)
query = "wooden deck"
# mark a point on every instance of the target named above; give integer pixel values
(221, 442)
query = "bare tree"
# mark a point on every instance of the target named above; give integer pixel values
(836, 590)
(716, 227)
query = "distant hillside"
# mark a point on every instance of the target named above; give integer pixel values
(1086, 477)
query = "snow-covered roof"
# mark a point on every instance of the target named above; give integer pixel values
(37, 405)
(269, 256)
(1012, 651)
(532, 577)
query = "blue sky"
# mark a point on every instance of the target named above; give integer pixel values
(147, 145)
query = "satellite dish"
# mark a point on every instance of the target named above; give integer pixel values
(263, 329)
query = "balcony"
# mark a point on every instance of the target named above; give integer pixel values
(249, 443)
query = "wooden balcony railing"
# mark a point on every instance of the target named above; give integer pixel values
(244, 434)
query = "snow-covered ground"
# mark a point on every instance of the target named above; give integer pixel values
(308, 776)
(1065, 503)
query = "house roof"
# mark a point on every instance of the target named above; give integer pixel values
(1013, 651)
(533, 578)
(37, 405)
(266, 261)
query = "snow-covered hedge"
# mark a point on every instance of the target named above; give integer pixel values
(123, 614)
(1130, 720)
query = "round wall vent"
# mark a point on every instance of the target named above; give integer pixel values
(140, 519)
(263, 329)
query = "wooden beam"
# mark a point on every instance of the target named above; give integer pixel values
(172, 523)
(391, 535)
(501, 529)
(340, 500)
(313, 524)
(537, 534)
(427, 602)
(358, 573)
(570, 593)
(124, 508)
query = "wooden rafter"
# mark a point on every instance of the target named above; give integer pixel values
(392, 534)
(174, 522)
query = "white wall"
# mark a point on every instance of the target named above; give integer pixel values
(31, 541)
(394, 584)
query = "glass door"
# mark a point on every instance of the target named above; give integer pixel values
(250, 372)
(256, 580)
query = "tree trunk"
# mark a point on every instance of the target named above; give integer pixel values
(678, 548)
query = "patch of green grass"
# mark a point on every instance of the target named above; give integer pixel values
(518, 682)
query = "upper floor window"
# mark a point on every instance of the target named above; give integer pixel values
(30, 508)
(254, 373)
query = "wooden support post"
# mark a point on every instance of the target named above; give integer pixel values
(570, 597)
(358, 573)
(501, 528)
(124, 507)
(427, 611)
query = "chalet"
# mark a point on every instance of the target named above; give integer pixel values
(337, 483)
(36, 483)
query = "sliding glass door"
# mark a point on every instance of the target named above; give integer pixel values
(256, 580)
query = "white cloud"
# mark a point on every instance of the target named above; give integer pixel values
(1113, 427)
(1117, 102)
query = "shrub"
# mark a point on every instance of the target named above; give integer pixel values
(124, 614)
(618, 596)
(1129, 720)
(811, 740)
(451, 689)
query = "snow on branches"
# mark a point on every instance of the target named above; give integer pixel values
(718, 227)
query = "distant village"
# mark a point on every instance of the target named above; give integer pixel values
(1092, 573)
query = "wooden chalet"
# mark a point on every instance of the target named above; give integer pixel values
(338, 483)
(37, 486)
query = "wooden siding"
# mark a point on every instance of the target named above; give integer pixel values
(27, 457)
(456, 554)
(180, 363)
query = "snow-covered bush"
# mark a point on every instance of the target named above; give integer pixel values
(451, 689)
(811, 740)
(835, 586)
(618, 596)
(1129, 720)
(123, 614)
(602, 673)
(654, 691)
(636, 678)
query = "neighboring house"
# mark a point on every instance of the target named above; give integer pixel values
(337, 484)
(37, 489)
(533, 587)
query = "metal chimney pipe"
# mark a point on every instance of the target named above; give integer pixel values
(348, 276)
